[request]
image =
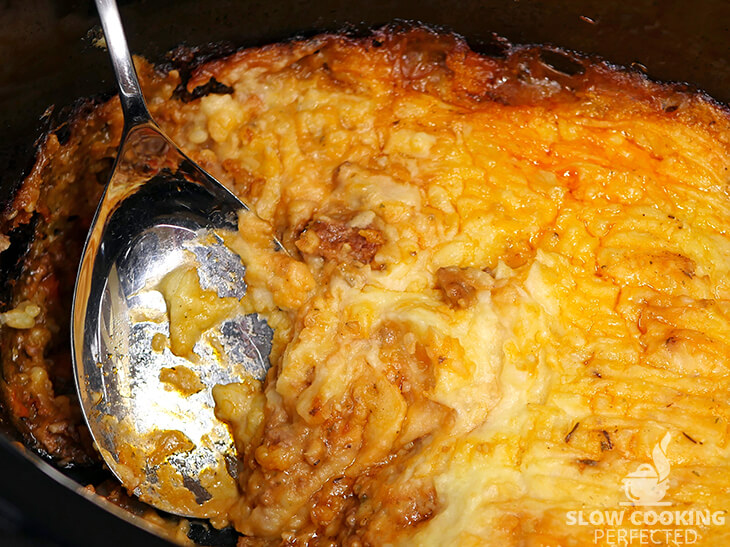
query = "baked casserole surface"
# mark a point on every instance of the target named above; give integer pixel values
(506, 285)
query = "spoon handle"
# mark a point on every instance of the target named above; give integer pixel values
(130, 92)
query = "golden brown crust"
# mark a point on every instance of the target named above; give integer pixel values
(475, 241)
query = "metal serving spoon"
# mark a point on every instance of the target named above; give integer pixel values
(164, 444)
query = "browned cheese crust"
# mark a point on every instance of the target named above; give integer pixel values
(486, 252)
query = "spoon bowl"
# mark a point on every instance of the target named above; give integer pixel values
(159, 212)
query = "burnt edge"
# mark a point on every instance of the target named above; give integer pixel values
(187, 59)
(19, 161)
(635, 71)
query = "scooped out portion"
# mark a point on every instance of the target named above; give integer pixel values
(191, 310)
(504, 285)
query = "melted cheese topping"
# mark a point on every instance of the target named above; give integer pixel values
(505, 286)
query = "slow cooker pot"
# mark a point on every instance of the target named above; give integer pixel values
(49, 58)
